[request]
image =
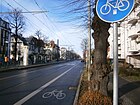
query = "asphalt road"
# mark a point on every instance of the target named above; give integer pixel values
(47, 85)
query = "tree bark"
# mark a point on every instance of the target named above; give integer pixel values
(16, 42)
(100, 69)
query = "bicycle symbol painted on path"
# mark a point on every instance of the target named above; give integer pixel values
(57, 94)
(121, 5)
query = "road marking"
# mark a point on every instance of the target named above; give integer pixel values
(73, 88)
(26, 98)
(70, 64)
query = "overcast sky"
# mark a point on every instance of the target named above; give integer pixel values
(52, 23)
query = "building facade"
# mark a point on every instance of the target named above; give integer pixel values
(5, 34)
(128, 38)
(22, 50)
(63, 53)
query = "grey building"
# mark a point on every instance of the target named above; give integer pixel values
(5, 34)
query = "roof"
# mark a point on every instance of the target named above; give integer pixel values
(21, 38)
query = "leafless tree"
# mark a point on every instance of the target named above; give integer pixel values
(84, 44)
(17, 23)
(45, 39)
(40, 42)
(38, 34)
(100, 70)
(76, 11)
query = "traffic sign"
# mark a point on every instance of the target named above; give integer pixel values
(114, 10)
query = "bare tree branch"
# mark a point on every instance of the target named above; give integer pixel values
(17, 23)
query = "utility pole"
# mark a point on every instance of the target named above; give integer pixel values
(89, 38)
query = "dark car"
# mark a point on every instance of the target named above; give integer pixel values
(82, 60)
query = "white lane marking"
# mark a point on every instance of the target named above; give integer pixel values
(26, 98)
(18, 75)
(71, 64)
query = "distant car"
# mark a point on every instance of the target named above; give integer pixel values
(82, 60)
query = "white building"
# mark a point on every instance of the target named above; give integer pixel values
(52, 50)
(22, 50)
(128, 38)
(63, 53)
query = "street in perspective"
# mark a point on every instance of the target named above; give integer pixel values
(69, 52)
(51, 85)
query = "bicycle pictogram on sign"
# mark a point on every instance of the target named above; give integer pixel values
(121, 5)
(114, 10)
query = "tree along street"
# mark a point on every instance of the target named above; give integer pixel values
(40, 86)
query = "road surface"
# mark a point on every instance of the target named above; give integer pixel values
(47, 85)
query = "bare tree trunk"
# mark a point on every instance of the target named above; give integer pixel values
(101, 69)
(16, 41)
(15, 54)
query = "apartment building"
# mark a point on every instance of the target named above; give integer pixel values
(22, 49)
(5, 34)
(128, 38)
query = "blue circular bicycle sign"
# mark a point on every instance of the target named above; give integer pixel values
(114, 10)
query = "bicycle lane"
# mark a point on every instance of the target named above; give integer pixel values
(61, 92)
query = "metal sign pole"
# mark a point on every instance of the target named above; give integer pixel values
(106, 13)
(115, 56)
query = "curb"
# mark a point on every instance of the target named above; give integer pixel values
(126, 101)
(29, 66)
(78, 90)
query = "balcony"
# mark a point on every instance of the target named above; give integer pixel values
(133, 51)
(138, 14)
(134, 36)
(133, 22)
(138, 39)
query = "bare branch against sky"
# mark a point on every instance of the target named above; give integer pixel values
(16, 20)
(76, 11)
(65, 19)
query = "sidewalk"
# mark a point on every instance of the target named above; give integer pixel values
(129, 92)
(17, 67)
